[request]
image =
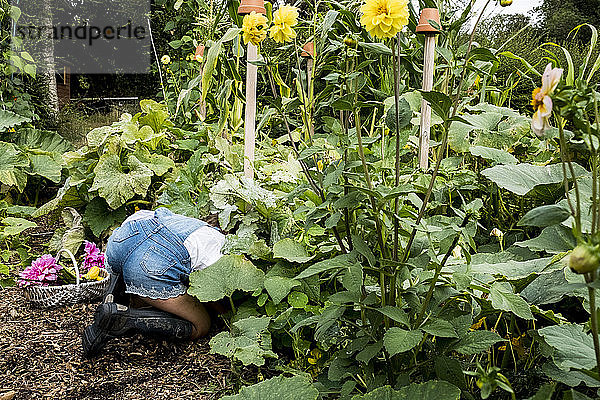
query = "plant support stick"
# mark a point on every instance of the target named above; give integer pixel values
(428, 14)
(250, 116)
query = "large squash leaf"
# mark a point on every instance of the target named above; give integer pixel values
(291, 250)
(48, 141)
(46, 166)
(100, 217)
(553, 239)
(11, 159)
(8, 119)
(14, 226)
(573, 348)
(294, 388)
(249, 341)
(116, 185)
(523, 178)
(432, 390)
(221, 279)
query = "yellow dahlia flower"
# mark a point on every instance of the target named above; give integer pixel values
(384, 18)
(254, 28)
(541, 101)
(283, 20)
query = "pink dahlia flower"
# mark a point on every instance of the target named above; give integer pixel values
(92, 257)
(40, 273)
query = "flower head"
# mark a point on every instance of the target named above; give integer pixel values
(283, 20)
(166, 60)
(254, 28)
(40, 272)
(542, 102)
(384, 18)
(497, 233)
(92, 256)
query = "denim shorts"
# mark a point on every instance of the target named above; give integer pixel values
(151, 256)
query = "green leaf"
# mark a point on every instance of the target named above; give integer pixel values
(47, 141)
(450, 370)
(336, 263)
(221, 279)
(353, 278)
(476, 342)
(573, 347)
(8, 119)
(395, 313)
(544, 216)
(158, 163)
(289, 249)
(496, 155)
(364, 249)
(377, 48)
(432, 390)
(398, 340)
(439, 327)
(405, 113)
(570, 378)
(14, 226)
(514, 270)
(249, 341)
(157, 114)
(11, 159)
(45, 166)
(553, 239)
(439, 102)
(116, 186)
(278, 287)
(294, 388)
(503, 298)
(544, 393)
(297, 299)
(523, 178)
(100, 217)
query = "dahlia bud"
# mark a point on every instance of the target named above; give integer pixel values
(584, 259)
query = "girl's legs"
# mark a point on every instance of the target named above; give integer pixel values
(186, 307)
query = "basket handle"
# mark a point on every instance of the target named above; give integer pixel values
(72, 259)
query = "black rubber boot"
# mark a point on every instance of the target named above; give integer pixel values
(115, 292)
(114, 320)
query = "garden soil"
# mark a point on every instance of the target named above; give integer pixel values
(41, 358)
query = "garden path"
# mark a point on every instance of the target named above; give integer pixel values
(41, 358)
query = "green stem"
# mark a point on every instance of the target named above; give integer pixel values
(231, 304)
(566, 161)
(436, 276)
(591, 277)
(361, 154)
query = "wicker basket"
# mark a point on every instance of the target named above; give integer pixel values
(56, 296)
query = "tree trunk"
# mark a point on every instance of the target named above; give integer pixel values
(46, 66)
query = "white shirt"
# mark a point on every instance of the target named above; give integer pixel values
(203, 245)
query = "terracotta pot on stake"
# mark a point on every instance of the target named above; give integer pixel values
(246, 7)
(308, 52)
(200, 55)
(425, 28)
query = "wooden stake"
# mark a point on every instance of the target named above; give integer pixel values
(250, 115)
(428, 68)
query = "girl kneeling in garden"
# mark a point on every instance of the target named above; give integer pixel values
(151, 256)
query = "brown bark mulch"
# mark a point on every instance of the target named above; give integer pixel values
(41, 358)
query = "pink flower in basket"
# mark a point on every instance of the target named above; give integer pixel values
(92, 257)
(40, 273)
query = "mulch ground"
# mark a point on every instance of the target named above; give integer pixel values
(41, 358)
